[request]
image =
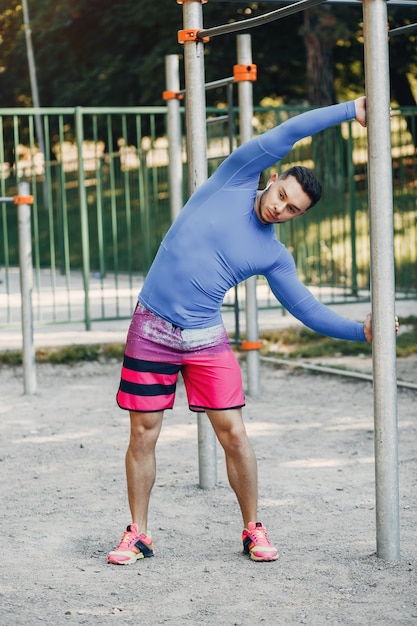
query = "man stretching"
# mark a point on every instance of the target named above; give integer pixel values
(224, 234)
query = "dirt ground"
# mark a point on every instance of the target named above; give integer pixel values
(64, 507)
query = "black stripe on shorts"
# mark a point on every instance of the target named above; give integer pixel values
(136, 389)
(139, 365)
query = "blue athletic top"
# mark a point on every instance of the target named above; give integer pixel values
(218, 241)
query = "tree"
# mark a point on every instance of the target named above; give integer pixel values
(14, 77)
(403, 63)
(101, 52)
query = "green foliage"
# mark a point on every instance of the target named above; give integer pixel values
(407, 340)
(76, 353)
(70, 354)
(67, 355)
(102, 53)
(11, 357)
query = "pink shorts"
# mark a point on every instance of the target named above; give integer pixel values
(156, 351)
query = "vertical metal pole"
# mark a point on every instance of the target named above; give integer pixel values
(174, 135)
(197, 174)
(231, 127)
(35, 91)
(195, 97)
(26, 287)
(32, 74)
(382, 278)
(245, 90)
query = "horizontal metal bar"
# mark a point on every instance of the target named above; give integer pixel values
(216, 157)
(26, 112)
(400, 3)
(7, 199)
(337, 371)
(259, 20)
(222, 82)
(402, 30)
(220, 118)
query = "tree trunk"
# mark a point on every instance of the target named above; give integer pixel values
(319, 58)
(319, 37)
(401, 90)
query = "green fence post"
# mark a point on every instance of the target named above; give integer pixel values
(352, 207)
(85, 239)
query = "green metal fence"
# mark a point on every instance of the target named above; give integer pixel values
(102, 206)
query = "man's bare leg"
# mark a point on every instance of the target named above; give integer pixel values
(241, 462)
(141, 464)
(136, 542)
(243, 477)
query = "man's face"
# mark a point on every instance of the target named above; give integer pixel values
(282, 200)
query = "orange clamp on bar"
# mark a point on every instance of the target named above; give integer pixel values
(191, 35)
(245, 72)
(172, 95)
(251, 345)
(22, 199)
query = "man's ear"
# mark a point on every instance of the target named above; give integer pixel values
(272, 179)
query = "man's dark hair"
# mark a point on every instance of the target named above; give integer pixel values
(309, 182)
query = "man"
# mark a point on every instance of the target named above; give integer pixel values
(224, 234)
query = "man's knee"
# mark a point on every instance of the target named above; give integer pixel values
(235, 440)
(230, 429)
(145, 428)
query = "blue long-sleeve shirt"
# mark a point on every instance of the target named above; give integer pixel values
(218, 241)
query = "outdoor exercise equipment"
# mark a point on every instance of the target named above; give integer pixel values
(375, 17)
(380, 192)
(23, 201)
(244, 73)
(402, 30)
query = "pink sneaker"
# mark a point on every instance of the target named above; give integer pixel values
(133, 546)
(256, 543)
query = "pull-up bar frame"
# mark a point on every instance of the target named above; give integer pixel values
(380, 197)
(23, 201)
(260, 20)
(381, 218)
(402, 30)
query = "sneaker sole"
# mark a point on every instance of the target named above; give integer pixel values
(267, 557)
(264, 559)
(113, 559)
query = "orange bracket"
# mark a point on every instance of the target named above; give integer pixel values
(172, 95)
(191, 35)
(23, 200)
(251, 345)
(245, 72)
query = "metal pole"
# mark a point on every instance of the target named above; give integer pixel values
(35, 91)
(32, 73)
(214, 84)
(197, 170)
(245, 90)
(196, 97)
(382, 278)
(402, 30)
(231, 125)
(174, 135)
(26, 287)
(260, 19)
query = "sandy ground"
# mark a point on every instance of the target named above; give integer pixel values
(64, 507)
